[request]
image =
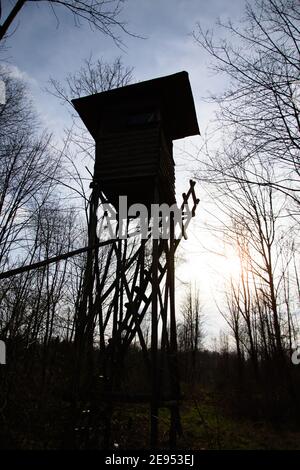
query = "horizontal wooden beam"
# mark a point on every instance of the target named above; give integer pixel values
(54, 259)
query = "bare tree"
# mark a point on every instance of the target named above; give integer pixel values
(93, 77)
(102, 15)
(259, 109)
(252, 170)
(29, 170)
(234, 319)
(260, 303)
(191, 329)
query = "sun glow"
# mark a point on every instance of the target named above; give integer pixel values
(211, 270)
(231, 266)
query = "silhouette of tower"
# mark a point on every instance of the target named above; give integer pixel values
(134, 128)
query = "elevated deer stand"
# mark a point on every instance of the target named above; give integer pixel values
(133, 128)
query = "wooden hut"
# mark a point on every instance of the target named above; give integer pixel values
(134, 127)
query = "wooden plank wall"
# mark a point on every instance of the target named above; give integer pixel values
(129, 161)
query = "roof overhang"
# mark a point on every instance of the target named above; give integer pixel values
(172, 93)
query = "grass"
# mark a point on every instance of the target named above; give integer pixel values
(206, 425)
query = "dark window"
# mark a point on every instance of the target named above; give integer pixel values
(140, 119)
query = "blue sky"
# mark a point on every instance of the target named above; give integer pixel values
(40, 48)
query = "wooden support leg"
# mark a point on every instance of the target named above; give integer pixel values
(154, 347)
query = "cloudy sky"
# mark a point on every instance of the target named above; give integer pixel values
(41, 47)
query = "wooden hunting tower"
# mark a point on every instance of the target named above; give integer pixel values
(134, 127)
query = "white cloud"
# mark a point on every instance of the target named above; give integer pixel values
(19, 74)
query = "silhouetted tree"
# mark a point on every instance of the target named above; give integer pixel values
(101, 15)
(190, 329)
(259, 109)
